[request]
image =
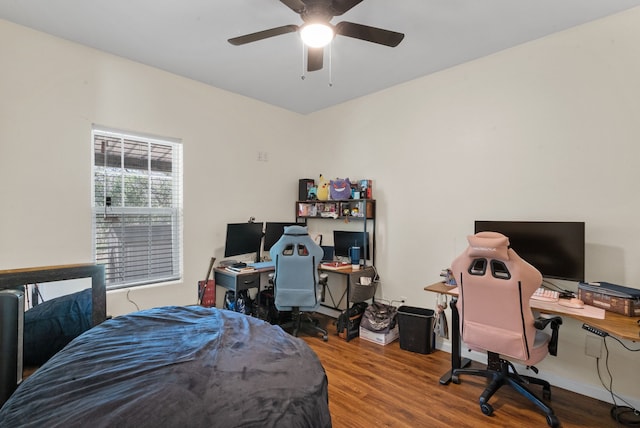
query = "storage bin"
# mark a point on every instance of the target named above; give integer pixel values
(379, 338)
(416, 329)
(359, 292)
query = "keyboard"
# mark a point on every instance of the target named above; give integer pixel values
(546, 295)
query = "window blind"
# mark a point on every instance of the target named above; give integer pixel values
(137, 208)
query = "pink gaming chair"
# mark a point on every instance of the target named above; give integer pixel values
(495, 285)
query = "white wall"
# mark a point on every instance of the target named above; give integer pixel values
(548, 130)
(52, 93)
(551, 124)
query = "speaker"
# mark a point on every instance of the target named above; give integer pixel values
(11, 341)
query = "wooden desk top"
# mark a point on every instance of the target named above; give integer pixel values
(615, 324)
(222, 269)
(348, 270)
(366, 270)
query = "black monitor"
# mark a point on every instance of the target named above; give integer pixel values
(343, 240)
(556, 249)
(243, 238)
(273, 231)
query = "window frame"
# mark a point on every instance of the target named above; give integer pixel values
(135, 227)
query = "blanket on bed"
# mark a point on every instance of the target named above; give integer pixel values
(176, 367)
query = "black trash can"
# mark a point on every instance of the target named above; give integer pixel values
(416, 329)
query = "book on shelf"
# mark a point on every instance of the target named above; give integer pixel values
(335, 265)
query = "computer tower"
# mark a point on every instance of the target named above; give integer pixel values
(11, 341)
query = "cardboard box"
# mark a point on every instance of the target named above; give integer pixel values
(380, 338)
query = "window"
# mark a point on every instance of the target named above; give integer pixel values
(137, 207)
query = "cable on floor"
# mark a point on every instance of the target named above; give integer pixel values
(627, 415)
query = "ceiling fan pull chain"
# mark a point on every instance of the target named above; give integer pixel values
(330, 68)
(304, 60)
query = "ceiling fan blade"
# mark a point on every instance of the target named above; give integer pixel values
(295, 5)
(314, 58)
(254, 37)
(341, 6)
(370, 34)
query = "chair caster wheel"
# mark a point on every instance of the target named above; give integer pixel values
(486, 408)
(553, 421)
(325, 338)
(455, 379)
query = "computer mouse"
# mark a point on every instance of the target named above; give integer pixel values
(572, 303)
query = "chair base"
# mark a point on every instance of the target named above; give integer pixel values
(302, 321)
(498, 374)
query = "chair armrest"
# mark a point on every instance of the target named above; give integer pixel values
(323, 278)
(541, 323)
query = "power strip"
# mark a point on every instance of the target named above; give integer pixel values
(594, 330)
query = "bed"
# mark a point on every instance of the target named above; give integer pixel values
(176, 367)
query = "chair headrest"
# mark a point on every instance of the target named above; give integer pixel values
(489, 244)
(296, 230)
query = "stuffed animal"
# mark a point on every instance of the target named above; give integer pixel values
(340, 189)
(322, 192)
(312, 194)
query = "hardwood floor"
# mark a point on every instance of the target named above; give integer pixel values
(384, 386)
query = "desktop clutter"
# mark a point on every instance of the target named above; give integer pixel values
(600, 294)
(350, 255)
(563, 298)
(252, 239)
(611, 297)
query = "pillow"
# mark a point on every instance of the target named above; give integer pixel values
(489, 244)
(49, 326)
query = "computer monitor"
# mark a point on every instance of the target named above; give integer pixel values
(556, 249)
(343, 240)
(273, 230)
(243, 238)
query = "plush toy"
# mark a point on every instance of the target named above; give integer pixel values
(340, 189)
(322, 192)
(312, 194)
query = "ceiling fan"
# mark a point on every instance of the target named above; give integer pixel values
(316, 15)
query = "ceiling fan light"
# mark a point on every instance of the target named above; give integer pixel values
(316, 35)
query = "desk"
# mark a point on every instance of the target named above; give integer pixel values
(615, 324)
(238, 281)
(352, 279)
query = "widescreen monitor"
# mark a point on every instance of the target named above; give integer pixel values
(273, 231)
(343, 240)
(556, 249)
(243, 238)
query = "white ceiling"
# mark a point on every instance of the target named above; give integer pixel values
(189, 38)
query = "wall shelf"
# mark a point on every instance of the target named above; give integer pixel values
(356, 210)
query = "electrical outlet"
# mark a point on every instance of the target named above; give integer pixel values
(593, 346)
